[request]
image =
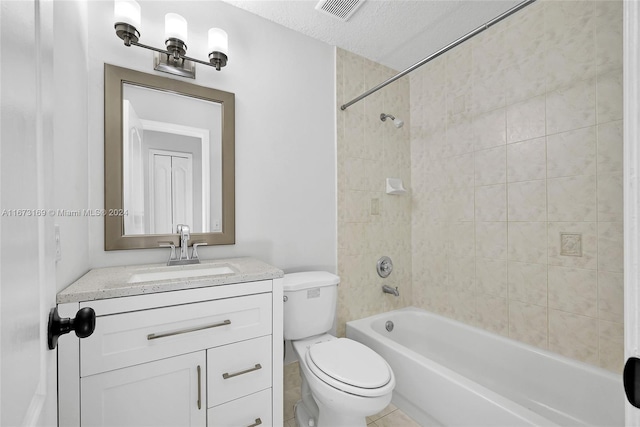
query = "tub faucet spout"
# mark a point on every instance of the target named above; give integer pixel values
(389, 290)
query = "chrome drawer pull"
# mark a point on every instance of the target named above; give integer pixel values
(257, 423)
(227, 375)
(184, 331)
(199, 389)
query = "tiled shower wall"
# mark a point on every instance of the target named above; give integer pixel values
(516, 160)
(371, 223)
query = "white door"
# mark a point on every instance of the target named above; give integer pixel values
(27, 256)
(182, 190)
(168, 392)
(632, 191)
(160, 214)
(170, 190)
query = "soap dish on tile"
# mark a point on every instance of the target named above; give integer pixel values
(394, 186)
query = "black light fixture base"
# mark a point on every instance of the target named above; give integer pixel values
(176, 47)
(127, 32)
(218, 59)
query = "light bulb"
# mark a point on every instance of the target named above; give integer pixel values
(175, 27)
(127, 12)
(218, 41)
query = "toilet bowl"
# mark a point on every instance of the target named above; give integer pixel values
(348, 380)
(343, 381)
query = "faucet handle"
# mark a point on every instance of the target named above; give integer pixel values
(194, 254)
(172, 256)
(384, 266)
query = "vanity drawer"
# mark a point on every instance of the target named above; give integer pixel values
(236, 370)
(251, 410)
(132, 338)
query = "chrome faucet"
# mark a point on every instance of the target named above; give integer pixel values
(389, 290)
(185, 235)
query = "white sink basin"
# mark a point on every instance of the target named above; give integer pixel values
(179, 272)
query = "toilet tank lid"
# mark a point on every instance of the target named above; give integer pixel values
(309, 279)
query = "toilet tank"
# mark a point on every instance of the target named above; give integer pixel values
(309, 303)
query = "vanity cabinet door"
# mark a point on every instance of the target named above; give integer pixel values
(168, 392)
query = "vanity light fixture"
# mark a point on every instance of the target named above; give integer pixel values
(173, 59)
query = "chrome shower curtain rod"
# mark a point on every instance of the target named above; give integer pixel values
(440, 52)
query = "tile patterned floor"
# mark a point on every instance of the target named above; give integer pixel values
(391, 417)
(388, 417)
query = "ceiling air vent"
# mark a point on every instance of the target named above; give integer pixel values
(340, 9)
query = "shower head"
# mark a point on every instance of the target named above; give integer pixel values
(396, 122)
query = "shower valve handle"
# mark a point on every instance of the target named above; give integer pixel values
(384, 267)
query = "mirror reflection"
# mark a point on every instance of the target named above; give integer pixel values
(171, 162)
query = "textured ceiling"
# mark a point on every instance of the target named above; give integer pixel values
(396, 33)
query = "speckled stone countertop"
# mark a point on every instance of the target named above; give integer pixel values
(114, 282)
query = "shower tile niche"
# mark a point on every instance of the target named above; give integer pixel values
(570, 244)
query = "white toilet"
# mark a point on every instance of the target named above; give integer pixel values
(343, 381)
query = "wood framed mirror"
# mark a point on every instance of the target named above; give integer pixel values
(169, 159)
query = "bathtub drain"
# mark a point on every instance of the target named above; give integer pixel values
(389, 325)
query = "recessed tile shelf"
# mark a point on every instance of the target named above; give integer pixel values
(571, 244)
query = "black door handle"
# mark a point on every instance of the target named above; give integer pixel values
(631, 380)
(83, 324)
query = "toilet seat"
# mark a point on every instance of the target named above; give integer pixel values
(351, 367)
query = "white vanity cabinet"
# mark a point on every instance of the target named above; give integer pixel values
(210, 356)
(165, 392)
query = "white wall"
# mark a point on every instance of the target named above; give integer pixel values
(70, 147)
(285, 131)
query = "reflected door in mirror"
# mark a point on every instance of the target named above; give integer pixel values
(171, 191)
(160, 193)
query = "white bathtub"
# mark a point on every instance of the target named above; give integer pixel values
(451, 374)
